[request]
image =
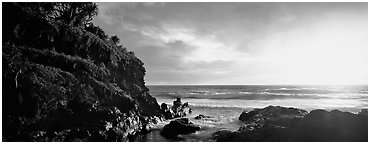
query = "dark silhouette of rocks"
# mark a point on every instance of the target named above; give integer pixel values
(276, 123)
(177, 110)
(200, 116)
(223, 135)
(363, 112)
(271, 115)
(66, 80)
(177, 127)
(166, 111)
(321, 125)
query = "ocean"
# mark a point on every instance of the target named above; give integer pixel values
(224, 103)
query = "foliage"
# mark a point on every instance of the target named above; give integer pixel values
(63, 73)
(96, 30)
(115, 39)
(71, 13)
(75, 13)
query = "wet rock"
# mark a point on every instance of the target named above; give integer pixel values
(223, 136)
(201, 116)
(167, 111)
(177, 110)
(272, 116)
(179, 126)
(272, 113)
(259, 124)
(321, 125)
(290, 124)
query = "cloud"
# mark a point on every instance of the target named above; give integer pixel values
(243, 43)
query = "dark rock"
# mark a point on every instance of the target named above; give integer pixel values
(320, 125)
(179, 126)
(167, 111)
(289, 124)
(67, 83)
(177, 110)
(200, 116)
(363, 112)
(271, 115)
(177, 102)
(223, 136)
(272, 112)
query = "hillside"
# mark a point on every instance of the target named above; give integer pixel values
(64, 79)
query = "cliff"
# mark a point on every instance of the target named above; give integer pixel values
(66, 82)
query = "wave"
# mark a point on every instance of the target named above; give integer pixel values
(297, 89)
(363, 91)
(264, 95)
(221, 106)
(220, 97)
(244, 92)
(238, 105)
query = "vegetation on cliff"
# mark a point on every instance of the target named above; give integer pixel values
(64, 79)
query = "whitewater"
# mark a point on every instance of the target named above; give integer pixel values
(224, 103)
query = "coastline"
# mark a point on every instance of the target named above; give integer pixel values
(208, 131)
(68, 80)
(351, 98)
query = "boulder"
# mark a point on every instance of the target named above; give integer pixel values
(201, 116)
(177, 110)
(167, 111)
(177, 127)
(223, 135)
(321, 125)
(272, 112)
(290, 124)
(271, 115)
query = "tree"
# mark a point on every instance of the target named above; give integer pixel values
(75, 13)
(71, 13)
(115, 39)
(96, 30)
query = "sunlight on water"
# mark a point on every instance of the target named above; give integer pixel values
(224, 104)
(350, 98)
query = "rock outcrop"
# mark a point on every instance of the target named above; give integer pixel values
(321, 125)
(224, 135)
(276, 123)
(69, 82)
(178, 109)
(272, 116)
(363, 112)
(177, 127)
(200, 116)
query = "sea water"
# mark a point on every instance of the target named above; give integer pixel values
(224, 103)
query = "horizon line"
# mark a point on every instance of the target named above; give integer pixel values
(246, 84)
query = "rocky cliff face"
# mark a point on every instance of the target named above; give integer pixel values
(64, 83)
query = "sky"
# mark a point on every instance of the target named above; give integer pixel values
(243, 43)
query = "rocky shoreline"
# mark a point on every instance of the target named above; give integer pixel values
(281, 124)
(64, 79)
